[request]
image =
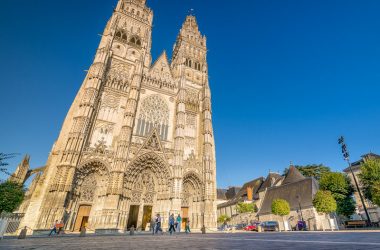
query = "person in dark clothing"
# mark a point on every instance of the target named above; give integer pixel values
(171, 224)
(54, 229)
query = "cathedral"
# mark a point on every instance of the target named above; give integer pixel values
(137, 140)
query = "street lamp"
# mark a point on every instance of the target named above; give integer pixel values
(346, 157)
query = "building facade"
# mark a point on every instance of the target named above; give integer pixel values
(138, 138)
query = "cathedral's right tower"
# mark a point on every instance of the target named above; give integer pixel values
(189, 65)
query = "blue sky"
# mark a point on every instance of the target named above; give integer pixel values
(288, 77)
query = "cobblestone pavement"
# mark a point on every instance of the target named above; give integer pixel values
(289, 240)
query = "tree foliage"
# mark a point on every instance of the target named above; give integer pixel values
(223, 218)
(338, 184)
(280, 207)
(346, 207)
(370, 179)
(341, 189)
(312, 170)
(243, 207)
(324, 202)
(376, 194)
(11, 196)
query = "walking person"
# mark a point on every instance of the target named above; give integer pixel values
(158, 223)
(60, 227)
(54, 229)
(171, 224)
(179, 221)
(153, 225)
(187, 226)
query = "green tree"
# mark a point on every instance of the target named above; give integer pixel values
(341, 189)
(11, 196)
(280, 207)
(324, 202)
(223, 219)
(376, 194)
(370, 179)
(346, 207)
(243, 207)
(312, 170)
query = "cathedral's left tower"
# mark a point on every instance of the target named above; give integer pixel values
(100, 118)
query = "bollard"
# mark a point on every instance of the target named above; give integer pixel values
(82, 232)
(132, 230)
(22, 234)
(203, 229)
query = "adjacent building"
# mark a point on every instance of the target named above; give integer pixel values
(296, 189)
(373, 210)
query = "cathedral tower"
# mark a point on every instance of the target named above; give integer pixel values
(138, 137)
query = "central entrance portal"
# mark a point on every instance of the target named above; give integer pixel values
(133, 216)
(147, 216)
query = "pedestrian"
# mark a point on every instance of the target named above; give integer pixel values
(171, 224)
(187, 226)
(153, 225)
(179, 221)
(158, 223)
(54, 229)
(60, 227)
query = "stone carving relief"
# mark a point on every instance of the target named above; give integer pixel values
(102, 136)
(88, 188)
(192, 100)
(118, 75)
(192, 164)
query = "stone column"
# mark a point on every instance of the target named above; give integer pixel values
(178, 153)
(208, 160)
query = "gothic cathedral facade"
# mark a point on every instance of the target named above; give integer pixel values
(138, 139)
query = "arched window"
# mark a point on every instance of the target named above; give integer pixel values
(135, 40)
(154, 113)
(124, 36)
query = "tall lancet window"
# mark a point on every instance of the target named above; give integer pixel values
(154, 113)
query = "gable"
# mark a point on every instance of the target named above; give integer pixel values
(161, 68)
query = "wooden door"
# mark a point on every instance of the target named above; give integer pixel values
(147, 216)
(83, 212)
(185, 216)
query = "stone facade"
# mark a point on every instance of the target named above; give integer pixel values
(138, 138)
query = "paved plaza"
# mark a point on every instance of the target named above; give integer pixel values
(289, 240)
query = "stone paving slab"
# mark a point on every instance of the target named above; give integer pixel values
(286, 240)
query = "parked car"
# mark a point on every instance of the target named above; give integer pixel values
(270, 226)
(252, 227)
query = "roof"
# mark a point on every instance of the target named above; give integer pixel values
(221, 194)
(271, 179)
(299, 193)
(357, 164)
(293, 175)
(255, 184)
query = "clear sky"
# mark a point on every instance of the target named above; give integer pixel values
(288, 77)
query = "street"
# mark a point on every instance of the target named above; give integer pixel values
(287, 240)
